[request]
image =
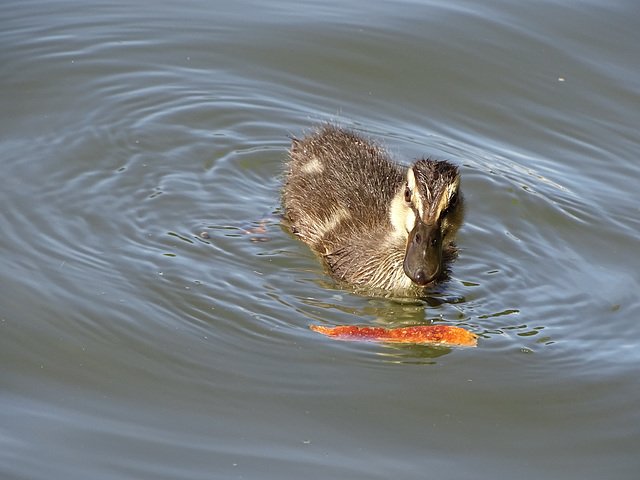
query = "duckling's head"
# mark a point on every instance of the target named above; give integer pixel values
(427, 211)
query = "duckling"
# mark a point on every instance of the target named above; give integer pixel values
(376, 224)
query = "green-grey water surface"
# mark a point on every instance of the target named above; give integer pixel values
(132, 347)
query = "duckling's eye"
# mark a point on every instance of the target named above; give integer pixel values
(407, 194)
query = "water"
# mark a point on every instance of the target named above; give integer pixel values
(131, 347)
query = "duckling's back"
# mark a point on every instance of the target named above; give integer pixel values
(339, 186)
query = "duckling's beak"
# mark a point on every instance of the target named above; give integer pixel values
(423, 259)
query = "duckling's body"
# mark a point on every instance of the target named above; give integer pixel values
(375, 223)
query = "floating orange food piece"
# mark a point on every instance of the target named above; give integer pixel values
(442, 334)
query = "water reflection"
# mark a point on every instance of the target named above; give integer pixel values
(413, 354)
(130, 129)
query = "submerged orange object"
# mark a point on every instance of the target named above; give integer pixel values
(442, 334)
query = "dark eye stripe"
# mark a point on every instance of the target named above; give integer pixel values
(453, 203)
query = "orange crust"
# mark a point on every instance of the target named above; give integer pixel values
(442, 334)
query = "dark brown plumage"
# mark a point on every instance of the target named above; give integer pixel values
(375, 223)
